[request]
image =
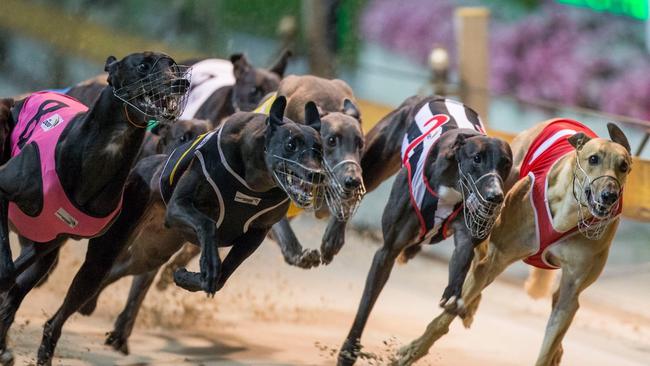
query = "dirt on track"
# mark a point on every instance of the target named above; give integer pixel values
(273, 314)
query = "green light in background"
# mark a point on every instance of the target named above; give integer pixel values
(633, 8)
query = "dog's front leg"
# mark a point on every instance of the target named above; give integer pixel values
(244, 246)
(333, 239)
(459, 264)
(7, 268)
(292, 251)
(182, 214)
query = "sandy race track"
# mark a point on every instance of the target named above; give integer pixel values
(273, 314)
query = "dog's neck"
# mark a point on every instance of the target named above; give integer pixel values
(560, 195)
(97, 153)
(244, 150)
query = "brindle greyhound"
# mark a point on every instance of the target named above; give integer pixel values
(241, 93)
(585, 183)
(253, 148)
(449, 165)
(92, 159)
(343, 139)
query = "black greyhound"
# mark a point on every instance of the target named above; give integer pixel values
(343, 142)
(243, 91)
(209, 206)
(449, 166)
(92, 159)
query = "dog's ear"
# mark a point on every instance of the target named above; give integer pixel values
(276, 114)
(280, 65)
(350, 109)
(312, 116)
(240, 64)
(579, 140)
(455, 146)
(111, 62)
(617, 135)
(109, 67)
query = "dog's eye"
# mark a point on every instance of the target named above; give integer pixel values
(594, 159)
(291, 146)
(255, 90)
(143, 67)
(359, 143)
(331, 141)
(477, 158)
(624, 167)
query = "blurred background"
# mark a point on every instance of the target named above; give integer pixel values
(518, 62)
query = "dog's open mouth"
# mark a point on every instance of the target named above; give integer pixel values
(303, 185)
(160, 95)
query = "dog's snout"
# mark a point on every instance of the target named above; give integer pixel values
(608, 197)
(351, 182)
(494, 196)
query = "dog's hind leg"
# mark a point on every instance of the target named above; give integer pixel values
(399, 231)
(577, 274)
(100, 257)
(293, 253)
(181, 259)
(119, 336)
(11, 300)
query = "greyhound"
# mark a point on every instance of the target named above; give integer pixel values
(226, 188)
(66, 177)
(219, 87)
(449, 166)
(561, 212)
(343, 145)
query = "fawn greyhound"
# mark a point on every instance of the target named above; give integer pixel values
(226, 188)
(561, 212)
(66, 176)
(449, 166)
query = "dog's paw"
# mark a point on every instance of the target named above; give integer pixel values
(309, 258)
(117, 342)
(454, 305)
(7, 358)
(210, 271)
(349, 353)
(409, 354)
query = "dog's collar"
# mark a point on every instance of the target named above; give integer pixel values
(149, 125)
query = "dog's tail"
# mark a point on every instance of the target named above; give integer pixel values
(540, 282)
